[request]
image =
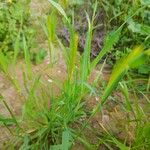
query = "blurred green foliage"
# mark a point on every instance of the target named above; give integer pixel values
(14, 21)
(136, 31)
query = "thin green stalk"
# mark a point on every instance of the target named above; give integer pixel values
(8, 129)
(27, 57)
(9, 110)
(148, 85)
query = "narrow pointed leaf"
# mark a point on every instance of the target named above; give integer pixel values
(60, 9)
(120, 69)
(110, 40)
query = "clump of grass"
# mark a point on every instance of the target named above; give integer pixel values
(46, 120)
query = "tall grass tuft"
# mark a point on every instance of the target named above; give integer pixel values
(47, 118)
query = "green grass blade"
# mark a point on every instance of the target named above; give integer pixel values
(118, 72)
(85, 61)
(120, 145)
(51, 26)
(72, 53)
(3, 63)
(27, 56)
(9, 110)
(125, 92)
(7, 121)
(120, 69)
(110, 40)
(16, 49)
(50, 32)
(60, 9)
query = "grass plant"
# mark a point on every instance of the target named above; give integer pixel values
(47, 119)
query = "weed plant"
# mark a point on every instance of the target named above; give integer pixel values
(135, 32)
(14, 18)
(47, 119)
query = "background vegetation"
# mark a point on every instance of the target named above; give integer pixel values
(61, 121)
